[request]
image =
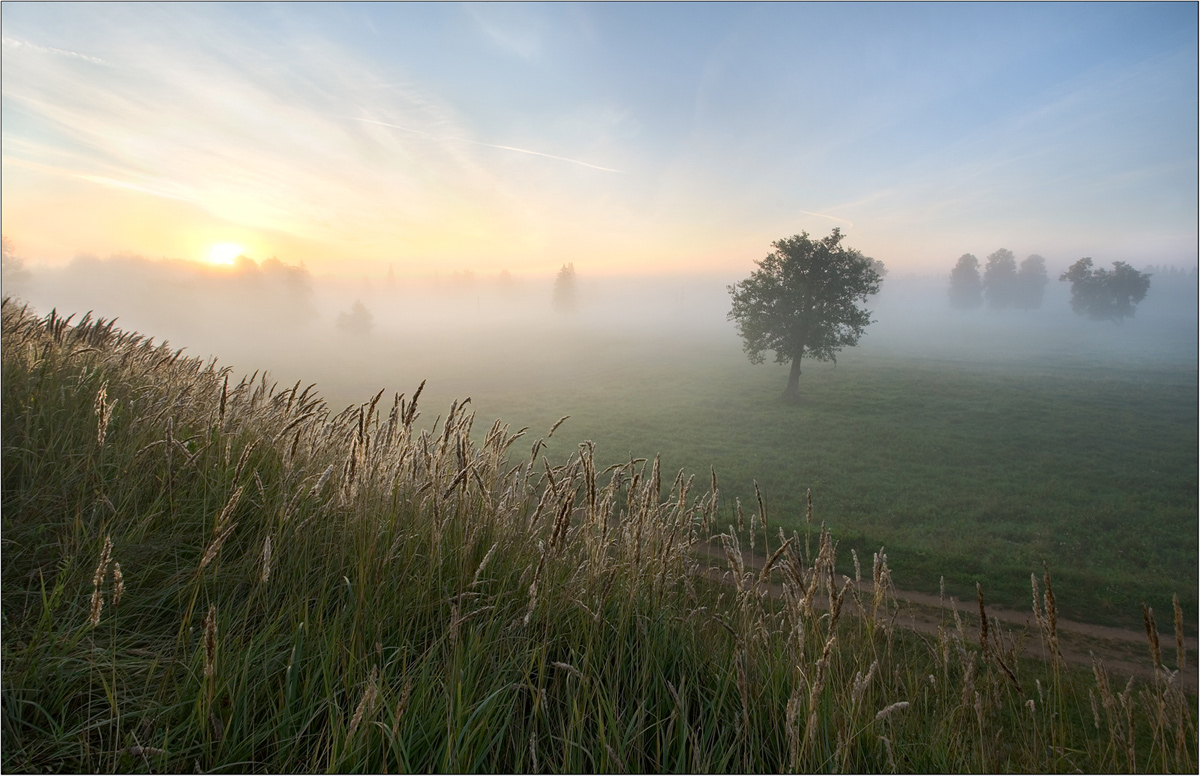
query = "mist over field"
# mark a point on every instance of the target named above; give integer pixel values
(470, 334)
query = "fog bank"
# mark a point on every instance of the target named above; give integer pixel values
(470, 334)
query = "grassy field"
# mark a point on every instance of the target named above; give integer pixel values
(972, 473)
(974, 456)
(206, 573)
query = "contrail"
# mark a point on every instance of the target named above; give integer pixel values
(823, 215)
(548, 156)
(50, 50)
(490, 145)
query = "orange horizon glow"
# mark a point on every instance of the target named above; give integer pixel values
(108, 221)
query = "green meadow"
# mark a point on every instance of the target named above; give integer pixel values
(971, 450)
(973, 473)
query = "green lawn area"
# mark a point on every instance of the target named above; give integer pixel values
(972, 449)
(973, 473)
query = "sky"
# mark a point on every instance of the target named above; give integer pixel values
(625, 138)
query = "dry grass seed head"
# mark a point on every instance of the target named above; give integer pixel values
(815, 691)
(1051, 614)
(793, 727)
(102, 566)
(762, 507)
(210, 641)
(885, 712)
(983, 623)
(366, 704)
(483, 563)
(861, 682)
(102, 410)
(1152, 635)
(227, 510)
(533, 588)
(97, 605)
(401, 705)
(578, 675)
(215, 546)
(1181, 659)
(118, 584)
(770, 564)
(887, 743)
(266, 559)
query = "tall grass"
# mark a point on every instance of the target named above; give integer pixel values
(217, 574)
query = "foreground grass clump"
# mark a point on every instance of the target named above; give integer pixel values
(207, 574)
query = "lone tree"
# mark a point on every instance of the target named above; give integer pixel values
(966, 288)
(1106, 296)
(801, 301)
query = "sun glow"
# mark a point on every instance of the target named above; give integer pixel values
(225, 253)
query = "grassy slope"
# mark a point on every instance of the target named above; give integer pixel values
(419, 615)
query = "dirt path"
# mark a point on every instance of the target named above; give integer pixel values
(1123, 652)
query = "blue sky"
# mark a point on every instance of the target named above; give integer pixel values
(623, 137)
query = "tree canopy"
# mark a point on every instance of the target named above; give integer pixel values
(1000, 284)
(966, 287)
(1103, 295)
(564, 289)
(358, 321)
(13, 273)
(802, 301)
(1031, 283)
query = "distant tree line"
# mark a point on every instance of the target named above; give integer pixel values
(13, 273)
(1095, 293)
(1172, 273)
(1103, 295)
(1004, 285)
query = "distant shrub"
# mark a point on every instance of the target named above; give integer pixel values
(358, 321)
(565, 293)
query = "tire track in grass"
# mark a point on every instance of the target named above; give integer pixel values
(1122, 651)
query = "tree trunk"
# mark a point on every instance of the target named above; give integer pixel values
(792, 392)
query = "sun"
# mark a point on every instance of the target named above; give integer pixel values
(225, 253)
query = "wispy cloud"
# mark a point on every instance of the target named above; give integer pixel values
(330, 148)
(513, 133)
(100, 179)
(510, 27)
(826, 215)
(15, 44)
(491, 145)
(249, 145)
